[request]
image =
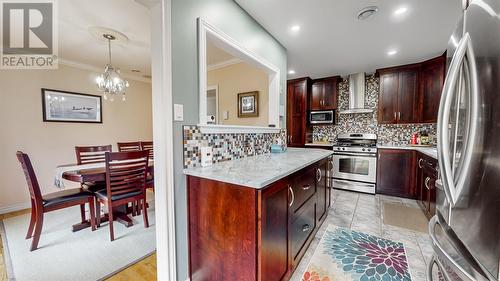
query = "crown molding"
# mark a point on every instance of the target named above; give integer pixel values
(223, 64)
(89, 67)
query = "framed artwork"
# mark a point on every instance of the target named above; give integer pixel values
(248, 104)
(63, 106)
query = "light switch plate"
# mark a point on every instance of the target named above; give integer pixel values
(178, 112)
(225, 115)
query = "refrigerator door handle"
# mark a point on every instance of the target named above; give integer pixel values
(440, 251)
(440, 266)
(464, 52)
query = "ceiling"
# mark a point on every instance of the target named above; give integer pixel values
(77, 45)
(215, 55)
(332, 41)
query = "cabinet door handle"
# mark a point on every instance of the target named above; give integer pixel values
(399, 115)
(318, 174)
(395, 116)
(427, 179)
(420, 163)
(293, 196)
(306, 187)
(306, 227)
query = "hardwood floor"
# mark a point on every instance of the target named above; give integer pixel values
(144, 270)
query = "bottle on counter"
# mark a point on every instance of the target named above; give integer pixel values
(413, 138)
(424, 137)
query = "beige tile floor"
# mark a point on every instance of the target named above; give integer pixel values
(363, 212)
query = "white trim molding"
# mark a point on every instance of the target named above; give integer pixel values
(234, 47)
(161, 51)
(223, 64)
(226, 129)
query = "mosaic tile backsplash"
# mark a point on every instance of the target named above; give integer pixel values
(367, 122)
(226, 146)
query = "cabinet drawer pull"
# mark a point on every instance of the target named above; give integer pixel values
(293, 196)
(306, 187)
(306, 227)
(318, 175)
(420, 162)
(427, 179)
(399, 115)
(395, 116)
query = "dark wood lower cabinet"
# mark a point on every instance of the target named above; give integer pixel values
(396, 172)
(425, 184)
(242, 233)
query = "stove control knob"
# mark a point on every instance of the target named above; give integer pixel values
(369, 149)
(343, 148)
(363, 149)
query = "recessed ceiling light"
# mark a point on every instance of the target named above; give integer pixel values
(291, 71)
(392, 52)
(367, 12)
(400, 11)
(295, 28)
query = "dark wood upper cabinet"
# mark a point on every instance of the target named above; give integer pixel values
(431, 80)
(411, 93)
(324, 94)
(396, 172)
(388, 98)
(398, 97)
(297, 91)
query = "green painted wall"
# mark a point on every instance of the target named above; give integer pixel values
(233, 20)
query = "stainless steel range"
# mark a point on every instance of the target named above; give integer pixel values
(355, 162)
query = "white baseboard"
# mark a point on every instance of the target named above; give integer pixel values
(14, 207)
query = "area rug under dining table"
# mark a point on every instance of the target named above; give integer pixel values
(347, 255)
(67, 255)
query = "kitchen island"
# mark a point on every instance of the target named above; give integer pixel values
(253, 218)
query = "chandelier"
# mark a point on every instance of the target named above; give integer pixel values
(110, 82)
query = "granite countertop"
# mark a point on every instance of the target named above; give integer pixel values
(261, 170)
(427, 150)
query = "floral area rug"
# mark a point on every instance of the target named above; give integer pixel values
(347, 255)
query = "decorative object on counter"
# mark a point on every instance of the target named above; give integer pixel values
(226, 146)
(396, 134)
(206, 156)
(248, 104)
(344, 254)
(64, 106)
(277, 148)
(424, 137)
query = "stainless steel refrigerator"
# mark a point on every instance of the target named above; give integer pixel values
(466, 229)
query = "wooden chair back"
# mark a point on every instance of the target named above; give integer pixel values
(148, 145)
(126, 172)
(129, 146)
(31, 179)
(91, 154)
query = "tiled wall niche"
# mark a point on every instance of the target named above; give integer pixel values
(226, 146)
(367, 122)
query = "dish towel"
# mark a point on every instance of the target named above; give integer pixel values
(58, 178)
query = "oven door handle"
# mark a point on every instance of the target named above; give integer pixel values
(355, 154)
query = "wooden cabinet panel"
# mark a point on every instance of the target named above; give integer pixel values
(322, 191)
(388, 98)
(324, 94)
(275, 221)
(396, 172)
(425, 184)
(316, 96)
(432, 80)
(297, 111)
(303, 186)
(302, 227)
(408, 96)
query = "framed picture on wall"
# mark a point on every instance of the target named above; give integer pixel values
(63, 106)
(248, 104)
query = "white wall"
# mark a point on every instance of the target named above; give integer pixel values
(51, 144)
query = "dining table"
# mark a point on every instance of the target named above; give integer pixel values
(83, 174)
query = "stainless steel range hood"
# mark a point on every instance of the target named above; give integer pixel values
(356, 95)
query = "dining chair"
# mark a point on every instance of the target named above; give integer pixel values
(129, 146)
(91, 154)
(41, 204)
(125, 183)
(148, 145)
